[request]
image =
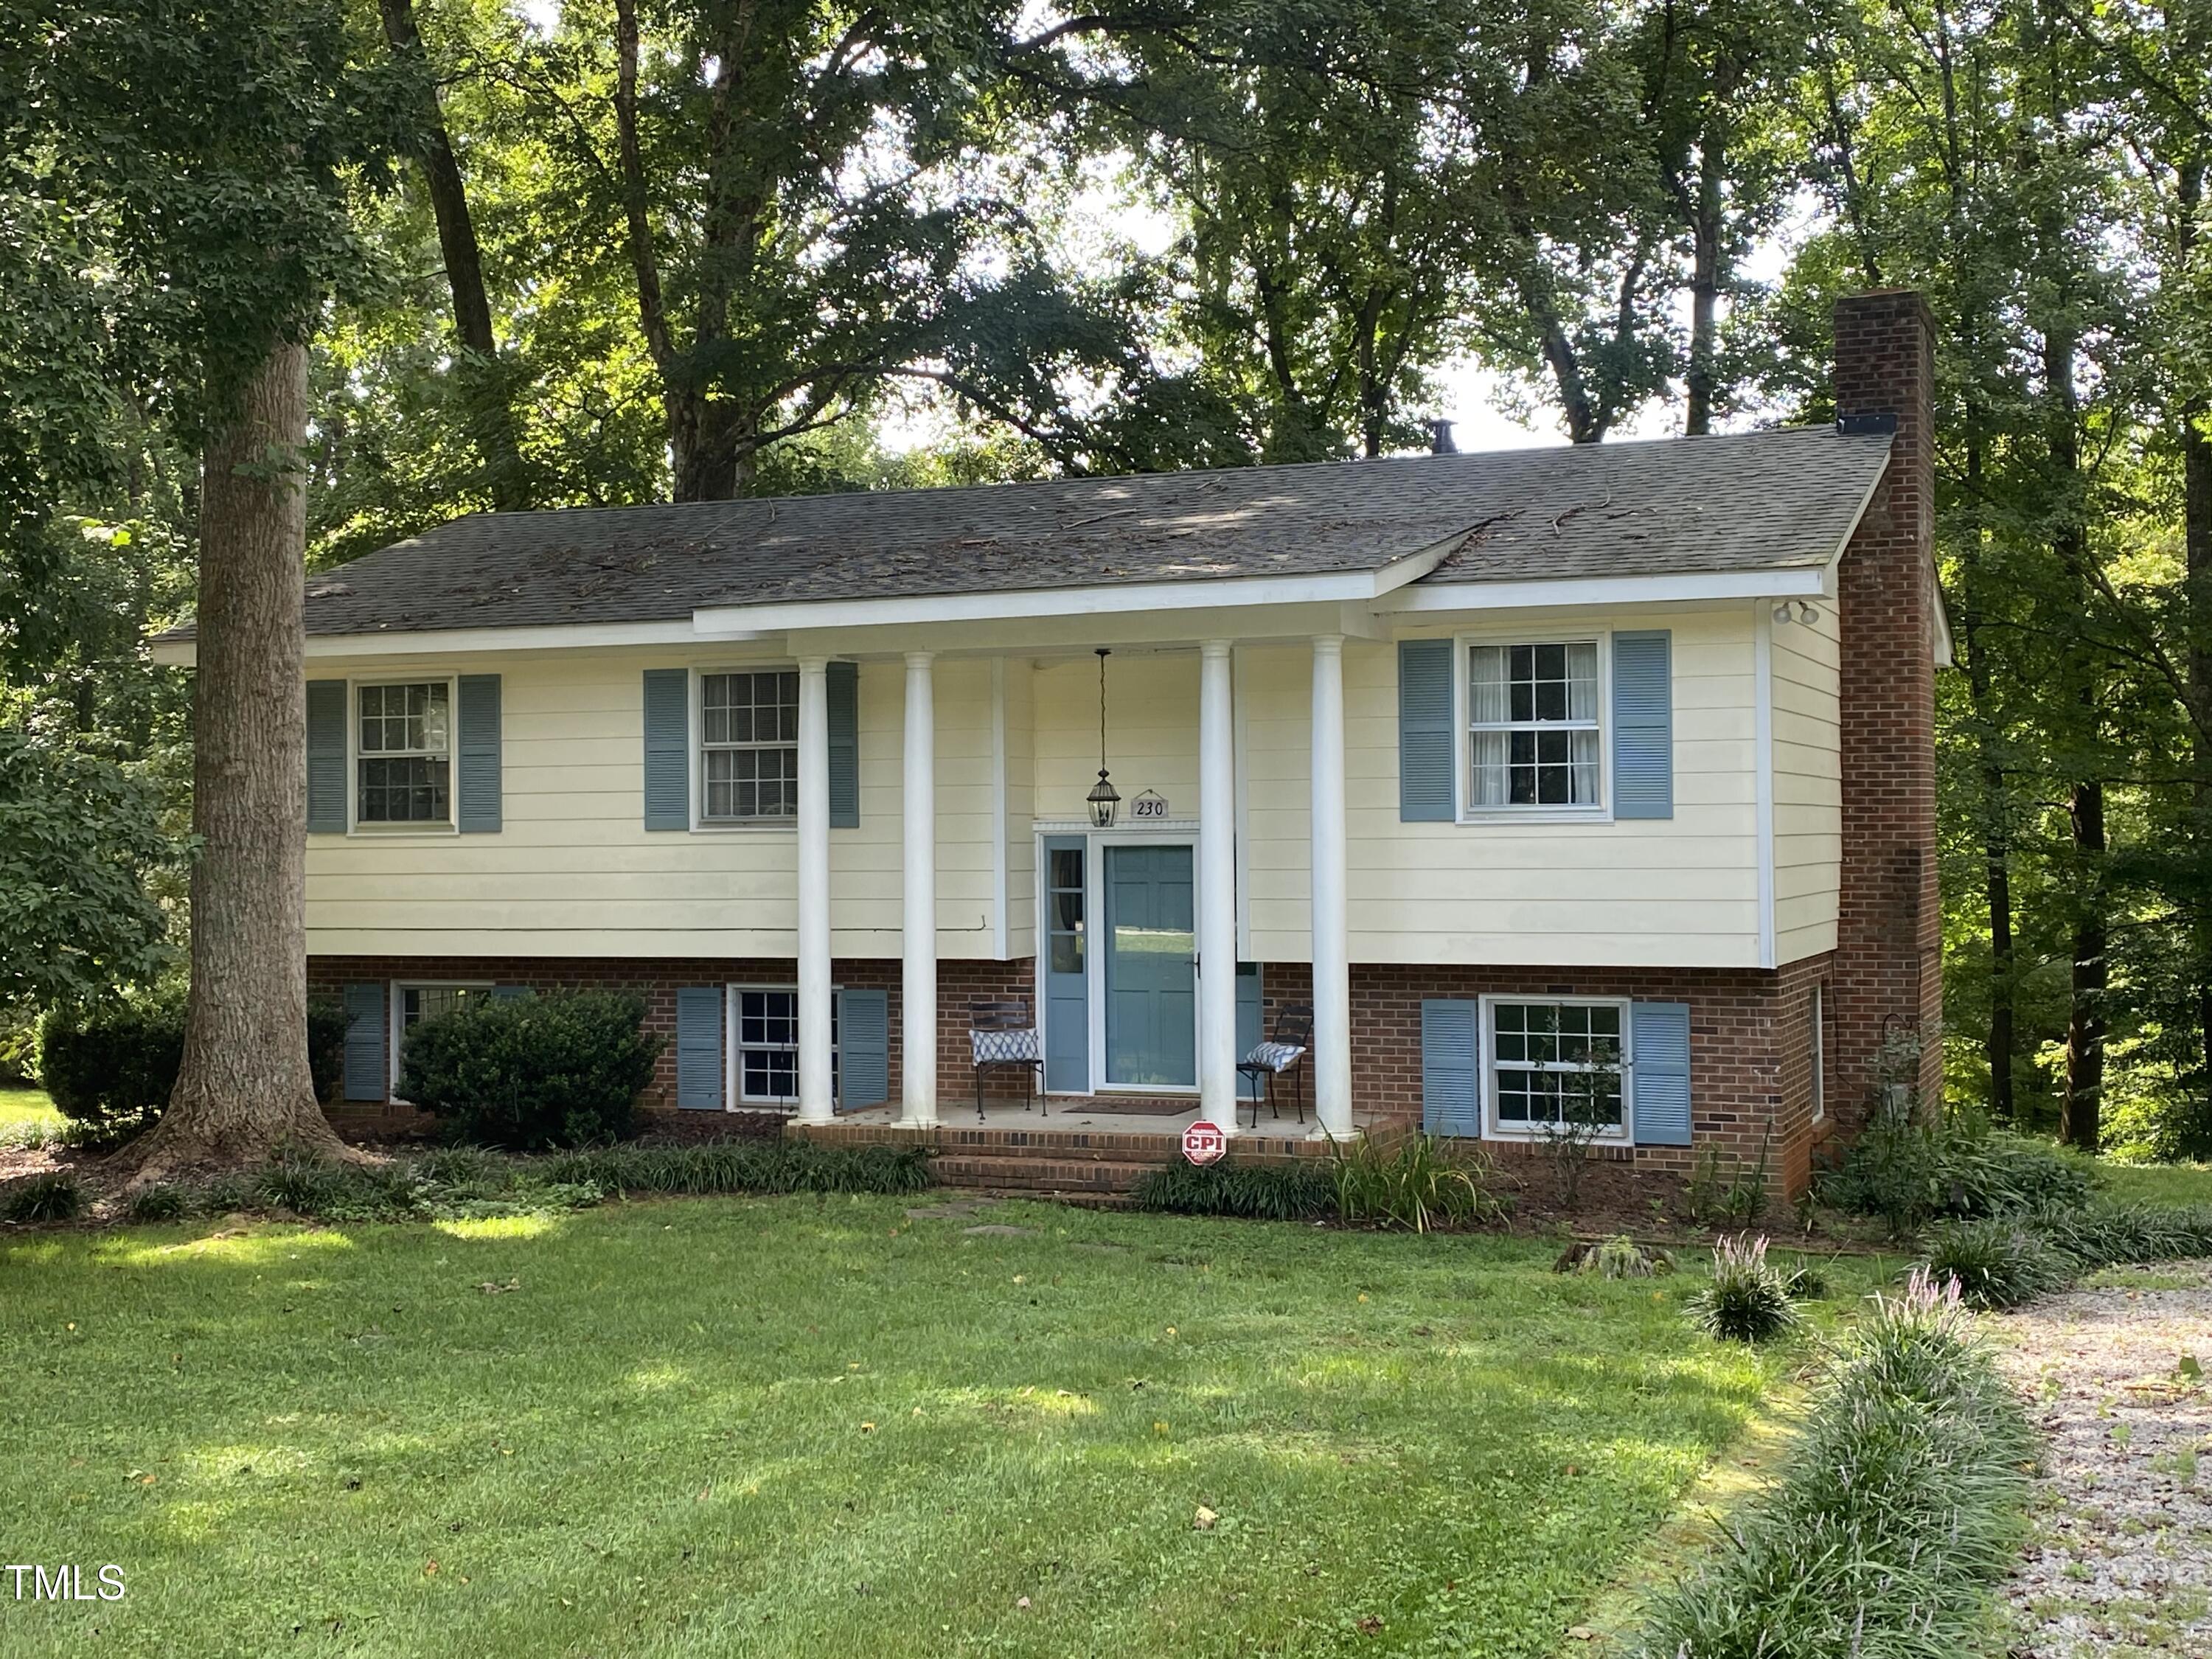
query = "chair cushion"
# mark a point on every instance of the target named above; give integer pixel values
(1004, 1048)
(1275, 1056)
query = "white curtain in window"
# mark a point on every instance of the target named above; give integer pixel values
(1585, 754)
(1486, 699)
(1582, 681)
(1488, 774)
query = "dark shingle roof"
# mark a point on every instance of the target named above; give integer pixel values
(1751, 502)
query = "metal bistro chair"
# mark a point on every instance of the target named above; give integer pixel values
(1284, 1052)
(1002, 1035)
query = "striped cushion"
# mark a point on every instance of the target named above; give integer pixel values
(1275, 1056)
(1004, 1048)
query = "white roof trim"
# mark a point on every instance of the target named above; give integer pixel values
(722, 620)
(425, 642)
(1608, 590)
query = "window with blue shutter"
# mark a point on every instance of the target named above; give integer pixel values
(699, 1048)
(842, 696)
(477, 796)
(367, 1064)
(864, 1050)
(326, 760)
(668, 748)
(1659, 1081)
(1426, 746)
(1643, 726)
(1451, 1059)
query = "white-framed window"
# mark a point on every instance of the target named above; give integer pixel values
(1818, 1046)
(1552, 1059)
(402, 767)
(414, 1001)
(1536, 735)
(748, 746)
(765, 1049)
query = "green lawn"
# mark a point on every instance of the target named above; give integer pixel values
(27, 1106)
(2158, 1183)
(799, 1426)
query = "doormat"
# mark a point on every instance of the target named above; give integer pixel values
(1135, 1108)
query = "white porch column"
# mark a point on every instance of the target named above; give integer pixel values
(1332, 969)
(918, 911)
(816, 1104)
(1217, 889)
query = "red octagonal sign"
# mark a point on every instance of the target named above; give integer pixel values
(1204, 1142)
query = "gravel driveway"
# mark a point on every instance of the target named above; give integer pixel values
(2114, 1371)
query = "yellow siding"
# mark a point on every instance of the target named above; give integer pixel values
(1020, 744)
(1151, 735)
(1672, 892)
(574, 871)
(1808, 837)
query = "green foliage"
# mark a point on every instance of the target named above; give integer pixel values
(1997, 1263)
(2104, 1235)
(1910, 1173)
(525, 1072)
(1749, 1300)
(50, 1195)
(79, 835)
(1302, 1190)
(1618, 1257)
(112, 1065)
(745, 1166)
(160, 1201)
(1418, 1185)
(1900, 1510)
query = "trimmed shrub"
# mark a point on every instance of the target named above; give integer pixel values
(526, 1072)
(1749, 1300)
(751, 1165)
(1997, 1263)
(53, 1196)
(111, 1067)
(1303, 1191)
(1901, 1508)
(2103, 1234)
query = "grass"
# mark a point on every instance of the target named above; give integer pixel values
(2157, 1183)
(21, 1107)
(812, 1424)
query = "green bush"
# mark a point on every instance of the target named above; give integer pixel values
(53, 1196)
(744, 1166)
(1902, 1506)
(159, 1202)
(2102, 1235)
(525, 1072)
(112, 1066)
(1749, 1300)
(1958, 1168)
(1997, 1263)
(1301, 1191)
(1415, 1186)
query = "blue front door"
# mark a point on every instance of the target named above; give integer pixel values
(1151, 1002)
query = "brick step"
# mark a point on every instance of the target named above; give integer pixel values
(1033, 1174)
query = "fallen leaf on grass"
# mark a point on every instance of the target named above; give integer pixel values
(1370, 1625)
(1204, 1520)
(490, 1289)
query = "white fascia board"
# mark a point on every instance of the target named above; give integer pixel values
(1802, 581)
(470, 641)
(727, 621)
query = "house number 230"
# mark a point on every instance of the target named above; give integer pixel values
(1149, 805)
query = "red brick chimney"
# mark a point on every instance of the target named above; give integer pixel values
(1888, 966)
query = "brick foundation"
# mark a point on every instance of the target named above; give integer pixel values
(1750, 1042)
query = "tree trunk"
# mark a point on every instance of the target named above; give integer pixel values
(2196, 538)
(1706, 228)
(491, 416)
(244, 1088)
(2079, 1117)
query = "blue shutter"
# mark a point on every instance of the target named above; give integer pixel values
(843, 697)
(1251, 1025)
(477, 796)
(327, 761)
(1643, 726)
(1451, 1063)
(864, 1048)
(699, 1083)
(510, 993)
(1425, 747)
(1659, 1081)
(668, 748)
(366, 1064)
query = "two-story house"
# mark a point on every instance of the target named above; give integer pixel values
(1565, 775)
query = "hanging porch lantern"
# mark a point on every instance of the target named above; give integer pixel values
(1102, 799)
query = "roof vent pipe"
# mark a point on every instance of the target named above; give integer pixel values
(1440, 438)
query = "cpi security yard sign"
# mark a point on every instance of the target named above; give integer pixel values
(1204, 1142)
